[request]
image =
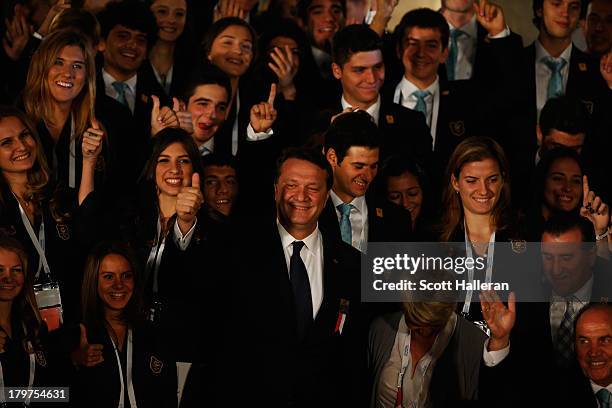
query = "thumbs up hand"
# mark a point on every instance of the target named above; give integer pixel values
(161, 117)
(92, 141)
(87, 355)
(184, 117)
(188, 203)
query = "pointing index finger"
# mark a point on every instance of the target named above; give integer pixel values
(272, 94)
(585, 190)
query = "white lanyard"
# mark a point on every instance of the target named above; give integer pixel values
(405, 354)
(155, 256)
(72, 156)
(131, 394)
(32, 371)
(39, 243)
(488, 273)
(235, 128)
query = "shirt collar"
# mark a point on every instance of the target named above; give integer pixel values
(373, 110)
(358, 202)
(470, 28)
(407, 87)
(542, 53)
(311, 241)
(596, 387)
(209, 145)
(583, 295)
(109, 79)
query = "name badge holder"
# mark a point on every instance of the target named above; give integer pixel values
(128, 372)
(46, 290)
(155, 256)
(465, 312)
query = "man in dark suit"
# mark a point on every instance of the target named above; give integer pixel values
(454, 110)
(598, 30)
(543, 336)
(358, 65)
(301, 297)
(594, 352)
(352, 149)
(469, 41)
(124, 98)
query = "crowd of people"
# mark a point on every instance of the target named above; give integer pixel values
(188, 188)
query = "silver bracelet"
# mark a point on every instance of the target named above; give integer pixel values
(602, 236)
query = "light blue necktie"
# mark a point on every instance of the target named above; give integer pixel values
(604, 397)
(555, 85)
(453, 52)
(121, 88)
(204, 151)
(421, 106)
(345, 223)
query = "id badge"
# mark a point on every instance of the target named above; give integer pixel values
(49, 303)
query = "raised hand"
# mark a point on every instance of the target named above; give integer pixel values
(87, 355)
(490, 16)
(184, 117)
(284, 66)
(58, 7)
(92, 141)
(499, 318)
(263, 115)
(593, 208)
(18, 33)
(228, 8)
(384, 10)
(605, 67)
(188, 203)
(161, 117)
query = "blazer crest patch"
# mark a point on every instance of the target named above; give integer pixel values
(519, 246)
(390, 119)
(41, 360)
(379, 212)
(63, 231)
(156, 365)
(457, 128)
(582, 67)
(144, 98)
(589, 105)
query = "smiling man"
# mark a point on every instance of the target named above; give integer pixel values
(594, 352)
(352, 149)
(128, 29)
(359, 67)
(299, 279)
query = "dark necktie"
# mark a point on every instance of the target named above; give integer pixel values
(301, 290)
(604, 397)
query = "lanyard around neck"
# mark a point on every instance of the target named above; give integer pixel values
(32, 372)
(155, 256)
(489, 271)
(38, 242)
(130, 385)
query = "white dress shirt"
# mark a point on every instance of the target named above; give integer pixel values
(466, 49)
(312, 256)
(359, 220)
(373, 110)
(596, 388)
(403, 96)
(543, 73)
(416, 388)
(130, 92)
(581, 298)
